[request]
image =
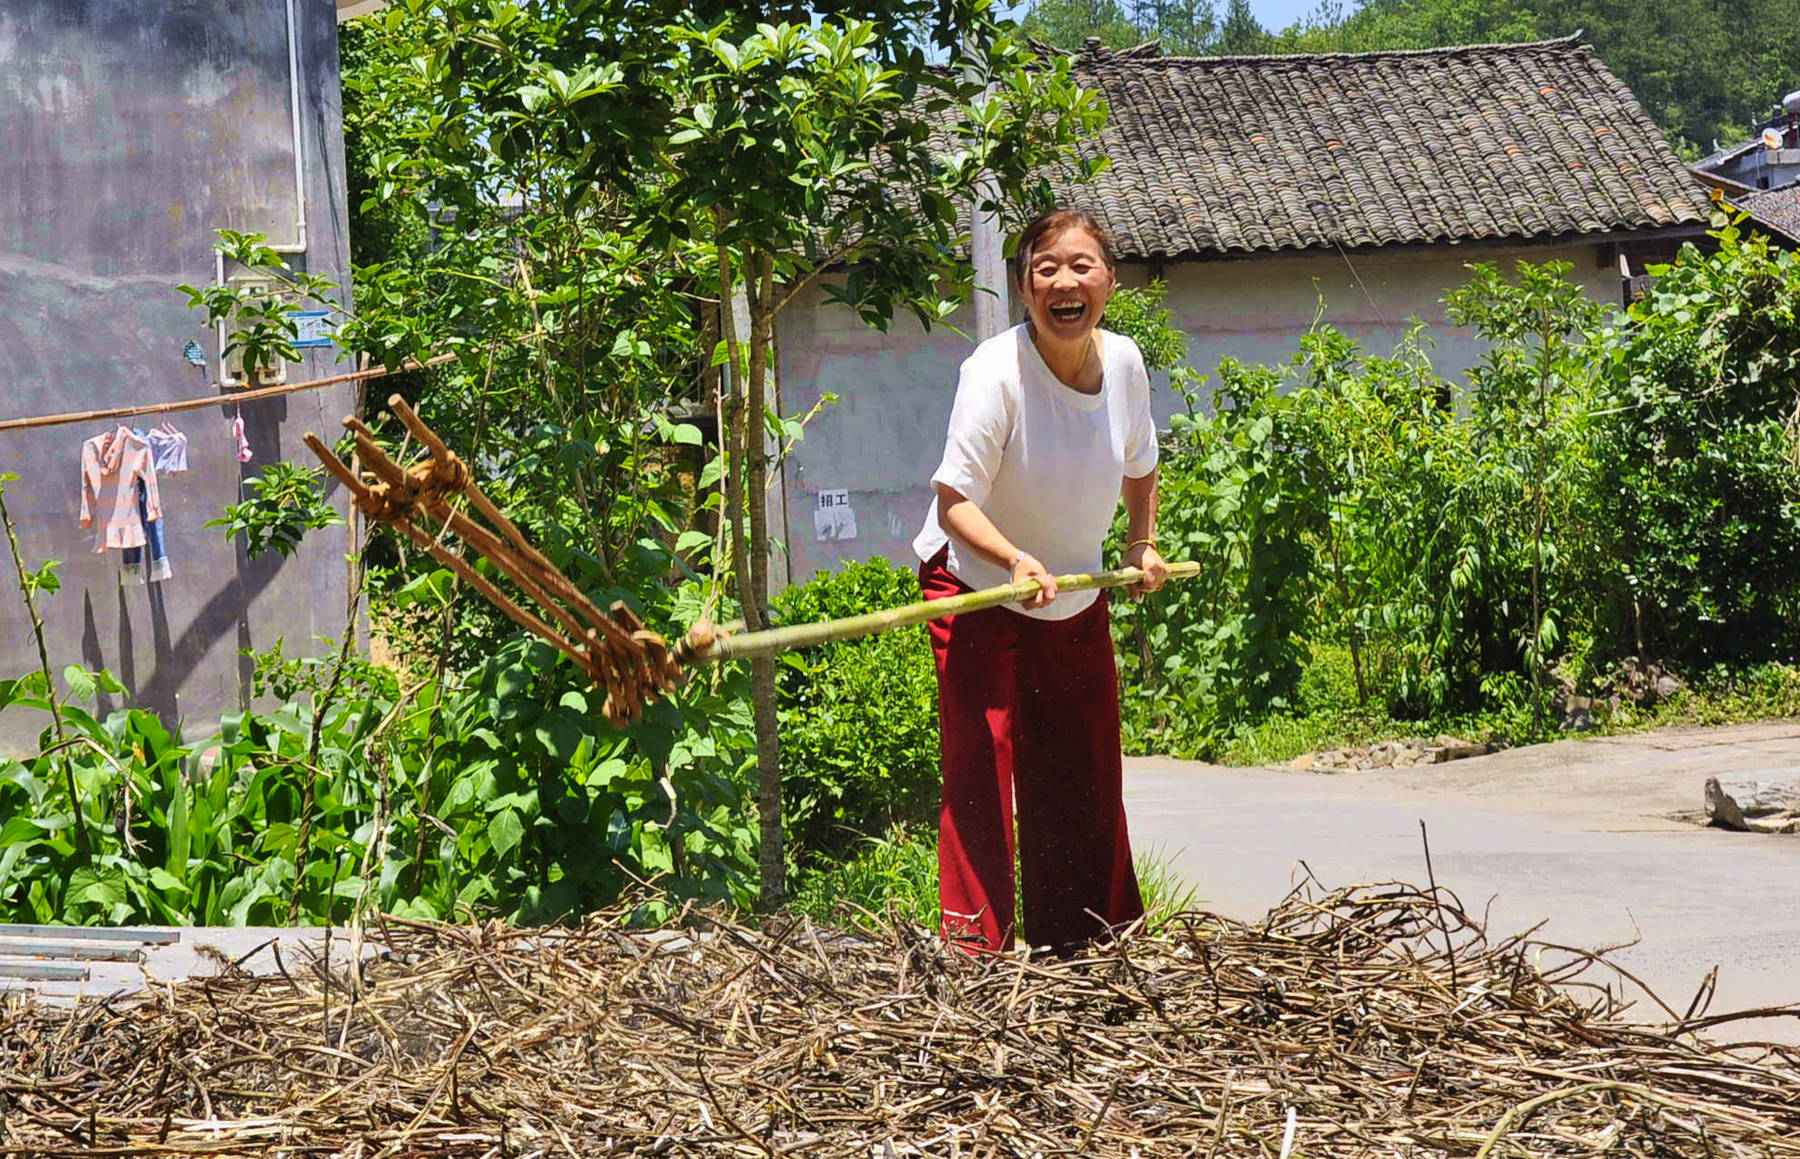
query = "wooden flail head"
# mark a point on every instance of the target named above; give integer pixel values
(633, 664)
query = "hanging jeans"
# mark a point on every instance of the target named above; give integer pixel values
(151, 561)
(1029, 713)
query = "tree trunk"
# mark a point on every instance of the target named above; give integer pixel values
(760, 284)
(747, 475)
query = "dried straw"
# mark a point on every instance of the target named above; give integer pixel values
(1332, 1024)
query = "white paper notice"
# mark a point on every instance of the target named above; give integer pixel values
(834, 519)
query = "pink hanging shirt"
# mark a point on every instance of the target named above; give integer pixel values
(111, 465)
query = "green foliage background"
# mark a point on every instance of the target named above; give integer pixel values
(858, 719)
(1381, 542)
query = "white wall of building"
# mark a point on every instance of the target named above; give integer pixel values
(881, 440)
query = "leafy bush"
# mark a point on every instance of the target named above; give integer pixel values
(286, 502)
(500, 790)
(895, 873)
(1697, 460)
(1598, 488)
(1139, 314)
(1224, 647)
(507, 797)
(286, 678)
(859, 727)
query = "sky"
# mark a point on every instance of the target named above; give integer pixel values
(1278, 14)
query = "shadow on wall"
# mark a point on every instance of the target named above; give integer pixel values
(176, 658)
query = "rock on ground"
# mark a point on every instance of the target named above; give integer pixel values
(1395, 754)
(1754, 806)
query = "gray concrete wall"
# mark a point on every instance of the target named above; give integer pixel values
(882, 439)
(131, 131)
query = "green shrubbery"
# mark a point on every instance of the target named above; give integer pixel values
(897, 874)
(859, 729)
(506, 798)
(497, 791)
(491, 788)
(1380, 543)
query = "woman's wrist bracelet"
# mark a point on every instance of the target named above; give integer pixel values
(1147, 542)
(1014, 565)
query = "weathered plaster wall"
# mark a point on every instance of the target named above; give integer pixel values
(882, 439)
(128, 133)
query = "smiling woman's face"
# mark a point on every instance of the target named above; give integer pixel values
(1067, 284)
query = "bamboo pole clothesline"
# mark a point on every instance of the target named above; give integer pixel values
(262, 392)
(633, 664)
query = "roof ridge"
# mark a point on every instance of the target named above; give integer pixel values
(1136, 55)
(1788, 187)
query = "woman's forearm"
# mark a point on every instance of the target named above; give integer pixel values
(970, 525)
(974, 530)
(1140, 507)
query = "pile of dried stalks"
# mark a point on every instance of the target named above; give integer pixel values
(1370, 1022)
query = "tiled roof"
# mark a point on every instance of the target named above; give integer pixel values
(1227, 154)
(1775, 209)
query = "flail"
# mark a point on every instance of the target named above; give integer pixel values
(634, 664)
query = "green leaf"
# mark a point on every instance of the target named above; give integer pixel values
(80, 682)
(505, 832)
(561, 733)
(179, 839)
(87, 887)
(432, 586)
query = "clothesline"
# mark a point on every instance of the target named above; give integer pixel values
(88, 416)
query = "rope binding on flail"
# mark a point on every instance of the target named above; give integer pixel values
(613, 648)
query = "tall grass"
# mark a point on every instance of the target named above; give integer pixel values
(897, 874)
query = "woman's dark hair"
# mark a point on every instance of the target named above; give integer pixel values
(1055, 222)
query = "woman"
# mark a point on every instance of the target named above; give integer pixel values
(1050, 426)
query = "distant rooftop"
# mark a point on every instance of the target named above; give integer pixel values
(1777, 210)
(1217, 155)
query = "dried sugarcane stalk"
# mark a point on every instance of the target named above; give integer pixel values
(633, 664)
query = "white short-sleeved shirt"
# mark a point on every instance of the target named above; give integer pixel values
(1042, 461)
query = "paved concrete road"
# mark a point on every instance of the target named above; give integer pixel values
(1581, 834)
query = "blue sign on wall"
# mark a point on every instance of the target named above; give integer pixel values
(315, 328)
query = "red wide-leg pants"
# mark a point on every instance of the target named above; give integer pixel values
(1029, 714)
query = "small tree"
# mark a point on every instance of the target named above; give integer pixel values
(1536, 374)
(763, 153)
(811, 151)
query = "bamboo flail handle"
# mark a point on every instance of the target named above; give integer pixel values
(703, 645)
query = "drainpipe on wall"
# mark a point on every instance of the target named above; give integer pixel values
(986, 249)
(299, 244)
(992, 312)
